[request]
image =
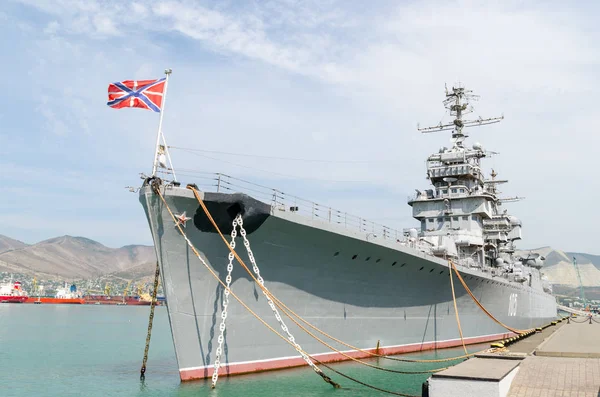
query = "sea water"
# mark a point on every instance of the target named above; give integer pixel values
(97, 350)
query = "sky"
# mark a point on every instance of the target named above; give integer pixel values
(340, 83)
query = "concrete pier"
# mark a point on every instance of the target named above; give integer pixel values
(561, 360)
(566, 364)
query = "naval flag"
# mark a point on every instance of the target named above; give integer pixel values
(145, 94)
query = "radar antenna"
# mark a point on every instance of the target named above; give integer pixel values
(457, 102)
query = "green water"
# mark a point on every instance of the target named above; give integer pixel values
(92, 350)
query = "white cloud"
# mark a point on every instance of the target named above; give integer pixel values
(52, 27)
(338, 81)
(139, 9)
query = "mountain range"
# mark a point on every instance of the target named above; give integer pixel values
(74, 257)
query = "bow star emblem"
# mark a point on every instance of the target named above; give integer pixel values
(182, 219)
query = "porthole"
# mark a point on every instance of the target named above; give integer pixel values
(442, 272)
(394, 264)
(378, 260)
(431, 270)
(422, 267)
(402, 265)
(337, 253)
(368, 257)
(354, 257)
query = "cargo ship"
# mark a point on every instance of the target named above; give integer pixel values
(369, 285)
(115, 300)
(12, 293)
(63, 296)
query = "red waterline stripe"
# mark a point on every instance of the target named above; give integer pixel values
(280, 363)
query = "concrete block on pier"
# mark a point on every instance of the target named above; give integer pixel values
(481, 376)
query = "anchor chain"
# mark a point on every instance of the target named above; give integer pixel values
(215, 376)
(150, 321)
(274, 309)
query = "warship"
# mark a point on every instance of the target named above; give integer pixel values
(368, 285)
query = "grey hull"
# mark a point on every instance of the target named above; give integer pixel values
(366, 293)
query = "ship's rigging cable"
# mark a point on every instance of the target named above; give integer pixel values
(150, 321)
(274, 172)
(286, 308)
(283, 158)
(490, 315)
(287, 311)
(462, 339)
(296, 346)
(306, 356)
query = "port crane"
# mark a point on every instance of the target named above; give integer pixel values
(581, 292)
(126, 290)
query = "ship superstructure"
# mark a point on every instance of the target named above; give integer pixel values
(461, 216)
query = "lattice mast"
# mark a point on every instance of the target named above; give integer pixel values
(458, 103)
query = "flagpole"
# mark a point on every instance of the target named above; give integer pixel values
(162, 112)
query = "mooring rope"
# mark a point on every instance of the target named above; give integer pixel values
(150, 321)
(315, 368)
(490, 315)
(271, 297)
(212, 272)
(462, 339)
(286, 308)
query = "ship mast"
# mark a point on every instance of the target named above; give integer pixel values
(457, 102)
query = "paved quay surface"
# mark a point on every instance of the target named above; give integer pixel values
(529, 344)
(568, 368)
(573, 340)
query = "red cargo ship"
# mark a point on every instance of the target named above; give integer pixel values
(49, 299)
(66, 295)
(12, 293)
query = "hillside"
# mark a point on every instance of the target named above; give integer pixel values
(559, 268)
(9, 244)
(586, 258)
(75, 257)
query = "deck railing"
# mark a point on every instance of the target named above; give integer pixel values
(281, 201)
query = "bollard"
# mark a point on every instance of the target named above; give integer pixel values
(425, 389)
(590, 318)
(568, 320)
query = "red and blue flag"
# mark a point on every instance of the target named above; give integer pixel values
(145, 94)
